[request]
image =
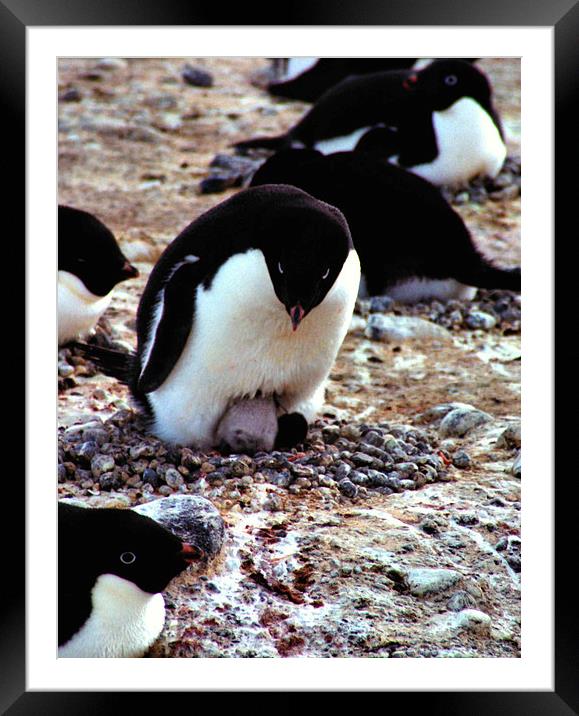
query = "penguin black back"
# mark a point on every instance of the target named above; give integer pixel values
(401, 225)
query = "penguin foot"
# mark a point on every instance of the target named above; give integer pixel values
(292, 429)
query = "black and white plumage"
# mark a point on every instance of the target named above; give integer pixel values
(113, 565)
(251, 300)
(411, 243)
(438, 122)
(90, 265)
(307, 78)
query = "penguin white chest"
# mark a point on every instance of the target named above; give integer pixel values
(124, 622)
(242, 344)
(298, 65)
(78, 308)
(469, 144)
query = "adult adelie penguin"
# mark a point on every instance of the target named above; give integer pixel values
(90, 265)
(439, 122)
(252, 300)
(307, 78)
(112, 566)
(411, 243)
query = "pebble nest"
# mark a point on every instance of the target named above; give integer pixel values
(492, 310)
(343, 461)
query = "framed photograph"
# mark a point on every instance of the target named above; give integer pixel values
(84, 85)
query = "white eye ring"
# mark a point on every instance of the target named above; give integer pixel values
(450, 80)
(326, 274)
(279, 268)
(128, 557)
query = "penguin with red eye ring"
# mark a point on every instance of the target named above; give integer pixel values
(307, 78)
(113, 565)
(438, 122)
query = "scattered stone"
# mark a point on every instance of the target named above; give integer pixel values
(479, 319)
(461, 459)
(516, 467)
(196, 77)
(460, 421)
(402, 328)
(425, 581)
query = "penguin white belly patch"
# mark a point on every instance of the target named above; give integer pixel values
(297, 65)
(124, 622)
(78, 308)
(242, 344)
(469, 144)
(345, 143)
(419, 289)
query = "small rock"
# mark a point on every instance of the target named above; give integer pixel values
(460, 421)
(193, 519)
(388, 328)
(196, 77)
(479, 319)
(424, 581)
(101, 464)
(516, 467)
(461, 459)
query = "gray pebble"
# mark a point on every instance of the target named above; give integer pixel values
(347, 488)
(101, 464)
(460, 421)
(479, 319)
(461, 459)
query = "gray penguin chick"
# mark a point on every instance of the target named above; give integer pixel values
(249, 426)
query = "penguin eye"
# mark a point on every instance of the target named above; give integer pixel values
(128, 557)
(279, 267)
(450, 80)
(326, 274)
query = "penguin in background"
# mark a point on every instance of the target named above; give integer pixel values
(251, 302)
(113, 565)
(438, 122)
(307, 78)
(90, 265)
(411, 243)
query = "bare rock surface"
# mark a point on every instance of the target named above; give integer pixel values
(382, 536)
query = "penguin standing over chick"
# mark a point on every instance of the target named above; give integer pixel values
(112, 566)
(411, 243)
(90, 265)
(241, 320)
(438, 122)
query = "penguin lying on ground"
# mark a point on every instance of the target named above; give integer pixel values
(90, 265)
(411, 243)
(251, 300)
(307, 78)
(439, 122)
(112, 566)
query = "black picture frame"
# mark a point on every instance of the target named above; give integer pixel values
(563, 17)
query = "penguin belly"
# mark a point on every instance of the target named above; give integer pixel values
(124, 622)
(345, 143)
(78, 308)
(297, 66)
(422, 289)
(242, 344)
(469, 144)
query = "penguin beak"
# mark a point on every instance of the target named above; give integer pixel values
(296, 314)
(129, 271)
(190, 553)
(410, 82)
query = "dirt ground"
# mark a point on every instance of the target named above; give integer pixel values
(134, 143)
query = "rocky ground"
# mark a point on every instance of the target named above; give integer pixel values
(394, 531)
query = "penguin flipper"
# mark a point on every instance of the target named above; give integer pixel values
(174, 327)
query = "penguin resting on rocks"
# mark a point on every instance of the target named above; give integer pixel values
(90, 265)
(307, 78)
(112, 566)
(411, 243)
(251, 302)
(438, 122)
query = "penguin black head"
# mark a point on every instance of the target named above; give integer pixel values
(312, 242)
(88, 249)
(443, 82)
(93, 542)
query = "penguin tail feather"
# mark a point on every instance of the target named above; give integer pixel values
(273, 143)
(486, 275)
(114, 363)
